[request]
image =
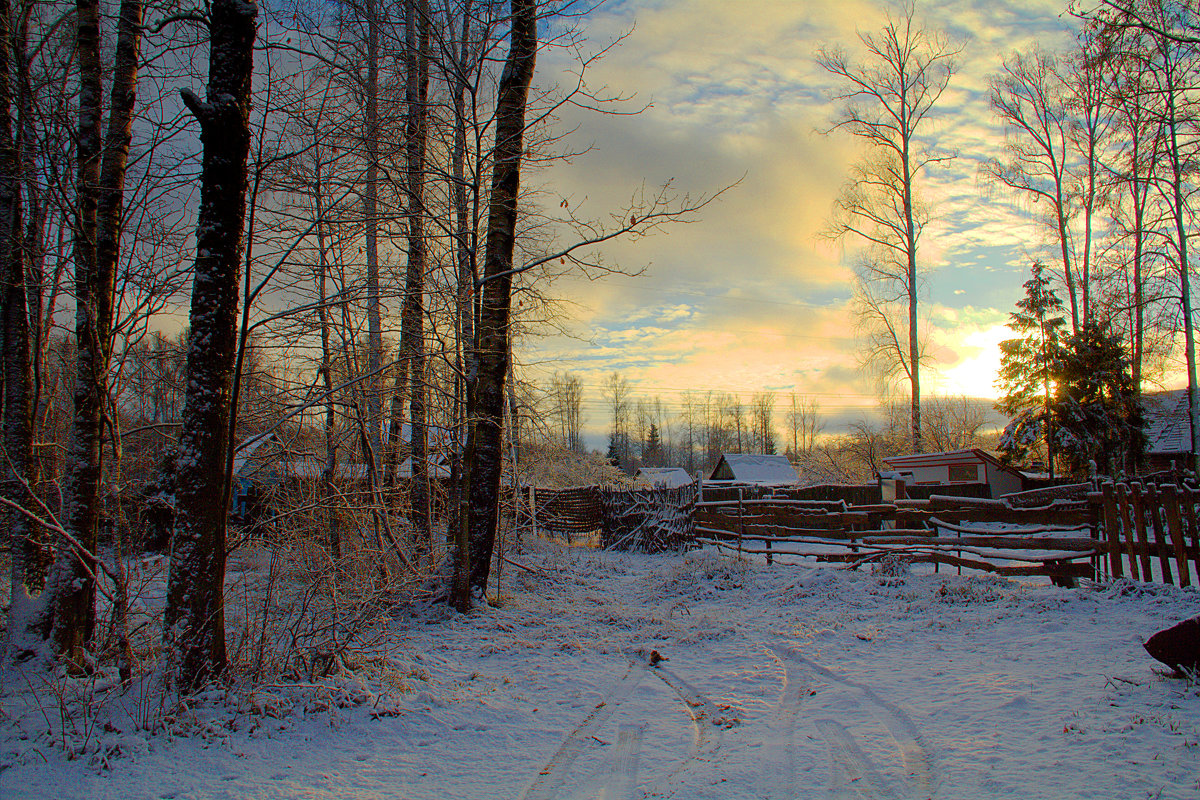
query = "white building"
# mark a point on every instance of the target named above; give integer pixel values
(957, 466)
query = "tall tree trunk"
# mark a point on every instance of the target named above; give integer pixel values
(194, 625)
(486, 393)
(100, 196)
(25, 620)
(412, 337)
(370, 202)
(329, 468)
(465, 269)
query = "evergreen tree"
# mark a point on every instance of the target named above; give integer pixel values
(1097, 415)
(614, 451)
(1026, 365)
(652, 452)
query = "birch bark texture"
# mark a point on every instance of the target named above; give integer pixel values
(194, 623)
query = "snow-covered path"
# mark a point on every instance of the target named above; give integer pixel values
(780, 682)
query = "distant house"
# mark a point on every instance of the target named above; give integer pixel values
(958, 467)
(671, 477)
(755, 468)
(1168, 429)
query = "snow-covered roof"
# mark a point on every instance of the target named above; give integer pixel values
(244, 453)
(756, 468)
(1167, 428)
(670, 477)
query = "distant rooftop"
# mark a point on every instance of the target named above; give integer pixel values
(755, 468)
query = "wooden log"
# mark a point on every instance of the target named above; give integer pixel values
(1055, 568)
(1000, 542)
(1160, 536)
(1112, 533)
(1175, 531)
(1130, 543)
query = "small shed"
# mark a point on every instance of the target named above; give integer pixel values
(670, 477)
(958, 467)
(755, 468)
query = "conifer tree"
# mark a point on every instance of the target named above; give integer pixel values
(1026, 365)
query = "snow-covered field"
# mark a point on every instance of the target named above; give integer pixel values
(780, 682)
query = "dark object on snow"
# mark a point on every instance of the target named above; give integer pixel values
(1178, 646)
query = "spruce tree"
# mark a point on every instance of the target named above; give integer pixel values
(1026, 366)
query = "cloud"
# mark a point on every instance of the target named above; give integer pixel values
(750, 296)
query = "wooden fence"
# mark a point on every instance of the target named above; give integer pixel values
(1151, 531)
(1148, 532)
(1056, 542)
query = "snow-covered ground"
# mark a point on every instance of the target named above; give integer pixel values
(780, 682)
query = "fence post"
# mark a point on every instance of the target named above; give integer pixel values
(1127, 526)
(1175, 530)
(533, 510)
(1112, 533)
(741, 524)
(1160, 536)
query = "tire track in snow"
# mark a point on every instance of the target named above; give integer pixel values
(853, 771)
(917, 760)
(706, 736)
(553, 775)
(620, 780)
(778, 774)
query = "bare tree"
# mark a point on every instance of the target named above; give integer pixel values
(96, 231)
(804, 424)
(762, 413)
(490, 365)
(886, 102)
(194, 622)
(567, 394)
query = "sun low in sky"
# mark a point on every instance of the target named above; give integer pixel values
(750, 297)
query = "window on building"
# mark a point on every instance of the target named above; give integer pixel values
(964, 473)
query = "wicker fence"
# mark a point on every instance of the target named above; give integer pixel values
(645, 520)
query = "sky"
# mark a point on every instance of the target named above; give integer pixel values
(749, 296)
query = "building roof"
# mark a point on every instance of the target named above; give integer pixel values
(758, 468)
(919, 460)
(670, 477)
(1168, 431)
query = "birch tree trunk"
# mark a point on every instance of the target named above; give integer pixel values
(18, 474)
(412, 336)
(486, 393)
(194, 625)
(370, 202)
(97, 232)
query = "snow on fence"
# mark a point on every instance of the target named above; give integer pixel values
(981, 534)
(1149, 530)
(648, 520)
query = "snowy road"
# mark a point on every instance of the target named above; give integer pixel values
(841, 711)
(781, 683)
